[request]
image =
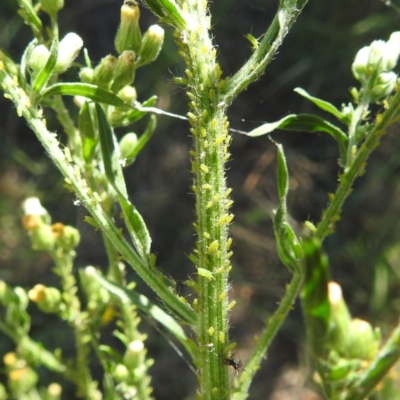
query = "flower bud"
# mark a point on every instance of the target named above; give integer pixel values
(86, 75)
(38, 59)
(340, 319)
(48, 299)
(128, 94)
(393, 50)
(104, 71)
(32, 206)
(31, 222)
(152, 42)
(129, 36)
(127, 146)
(42, 238)
(384, 85)
(67, 236)
(133, 354)
(21, 381)
(377, 55)
(54, 391)
(121, 373)
(68, 50)
(364, 341)
(51, 7)
(11, 360)
(124, 72)
(347, 112)
(380, 56)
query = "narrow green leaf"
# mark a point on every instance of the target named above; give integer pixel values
(136, 227)
(168, 11)
(87, 131)
(288, 245)
(133, 115)
(283, 173)
(133, 220)
(87, 90)
(148, 133)
(306, 123)
(142, 303)
(109, 150)
(24, 62)
(45, 74)
(322, 104)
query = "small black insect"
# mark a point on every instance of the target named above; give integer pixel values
(237, 366)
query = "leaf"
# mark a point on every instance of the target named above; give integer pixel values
(143, 139)
(131, 116)
(133, 220)
(288, 245)
(306, 123)
(87, 90)
(168, 11)
(87, 131)
(142, 303)
(323, 105)
(45, 74)
(24, 61)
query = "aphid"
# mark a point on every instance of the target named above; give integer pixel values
(236, 366)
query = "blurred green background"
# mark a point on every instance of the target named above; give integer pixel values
(317, 56)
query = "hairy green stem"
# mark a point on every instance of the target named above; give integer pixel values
(273, 325)
(211, 256)
(129, 326)
(285, 17)
(49, 141)
(332, 213)
(80, 374)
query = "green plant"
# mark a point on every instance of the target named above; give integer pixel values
(92, 162)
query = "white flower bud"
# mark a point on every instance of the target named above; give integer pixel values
(68, 50)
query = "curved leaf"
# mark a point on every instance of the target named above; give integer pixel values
(45, 74)
(143, 139)
(322, 104)
(133, 220)
(306, 123)
(24, 62)
(87, 90)
(133, 115)
(289, 247)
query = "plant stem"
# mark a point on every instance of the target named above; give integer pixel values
(153, 278)
(80, 373)
(273, 325)
(211, 140)
(285, 17)
(332, 213)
